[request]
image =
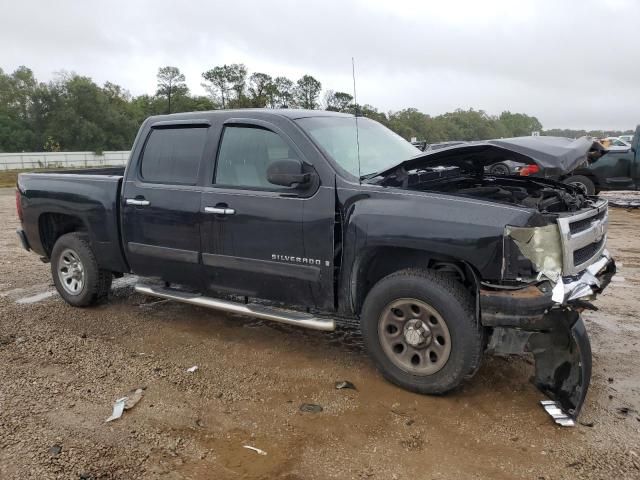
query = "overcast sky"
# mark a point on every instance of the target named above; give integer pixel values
(570, 63)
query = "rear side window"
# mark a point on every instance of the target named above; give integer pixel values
(172, 155)
(246, 153)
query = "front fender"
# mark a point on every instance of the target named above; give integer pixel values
(442, 226)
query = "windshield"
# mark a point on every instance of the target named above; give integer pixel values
(380, 148)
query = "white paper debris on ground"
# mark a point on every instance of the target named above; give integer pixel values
(192, 369)
(257, 450)
(125, 403)
(118, 408)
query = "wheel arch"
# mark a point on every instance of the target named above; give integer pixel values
(375, 263)
(52, 226)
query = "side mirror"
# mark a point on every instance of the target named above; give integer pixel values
(288, 172)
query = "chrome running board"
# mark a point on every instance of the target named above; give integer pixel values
(263, 312)
(559, 416)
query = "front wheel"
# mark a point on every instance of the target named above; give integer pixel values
(76, 274)
(421, 332)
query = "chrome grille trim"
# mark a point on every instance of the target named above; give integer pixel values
(596, 232)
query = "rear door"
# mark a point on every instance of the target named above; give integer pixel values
(262, 240)
(161, 203)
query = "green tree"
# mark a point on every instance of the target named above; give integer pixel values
(307, 92)
(83, 116)
(519, 124)
(226, 84)
(73, 113)
(170, 83)
(20, 122)
(218, 86)
(146, 105)
(260, 89)
(371, 112)
(410, 123)
(189, 103)
(238, 80)
(271, 95)
(468, 125)
(337, 101)
(284, 92)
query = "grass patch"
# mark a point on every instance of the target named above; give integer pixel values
(8, 178)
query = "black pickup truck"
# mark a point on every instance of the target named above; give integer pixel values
(320, 219)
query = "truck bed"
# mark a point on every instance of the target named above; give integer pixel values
(109, 171)
(91, 197)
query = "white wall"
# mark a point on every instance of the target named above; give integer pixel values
(15, 161)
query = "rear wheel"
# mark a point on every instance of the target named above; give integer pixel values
(420, 329)
(585, 184)
(76, 275)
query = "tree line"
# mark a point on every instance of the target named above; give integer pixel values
(73, 113)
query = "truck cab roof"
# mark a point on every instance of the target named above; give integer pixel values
(291, 113)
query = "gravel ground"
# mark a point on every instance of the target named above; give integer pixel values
(64, 367)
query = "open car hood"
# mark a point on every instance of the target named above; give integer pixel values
(554, 155)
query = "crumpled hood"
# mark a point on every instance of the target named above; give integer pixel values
(554, 155)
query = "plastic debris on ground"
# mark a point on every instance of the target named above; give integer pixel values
(257, 450)
(192, 369)
(345, 384)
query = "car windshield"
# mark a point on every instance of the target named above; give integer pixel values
(379, 147)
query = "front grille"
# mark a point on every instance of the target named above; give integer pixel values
(584, 224)
(583, 237)
(583, 254)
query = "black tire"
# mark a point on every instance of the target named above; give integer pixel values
(583, 183)
(499, 169)
(454, 305)
(96, 282)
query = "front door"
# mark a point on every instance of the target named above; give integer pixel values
(261, 240)
(161, 205)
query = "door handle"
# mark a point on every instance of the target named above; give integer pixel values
(138, 203)
(220, 210)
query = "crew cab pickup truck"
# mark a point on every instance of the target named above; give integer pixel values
(287, 215)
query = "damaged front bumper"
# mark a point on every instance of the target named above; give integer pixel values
(584, 286)
(527, 307)
(544, 320)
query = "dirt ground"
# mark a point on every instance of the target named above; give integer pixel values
(62, 369)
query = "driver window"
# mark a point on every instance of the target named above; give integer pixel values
(246, 153)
